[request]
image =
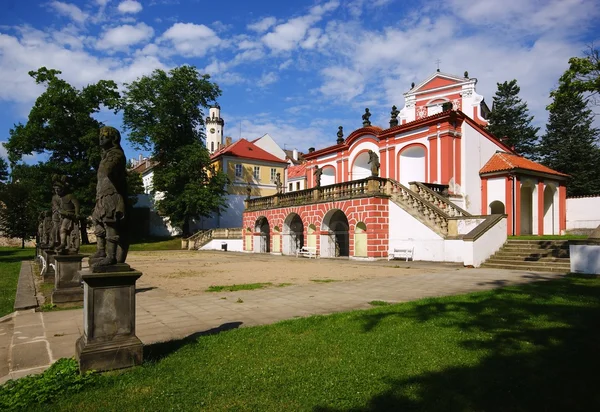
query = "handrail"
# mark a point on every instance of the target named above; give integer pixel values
(440, 201)
(430, 214)
(200, 238)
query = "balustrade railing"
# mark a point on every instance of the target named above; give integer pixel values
(438, 200)
(423, 208)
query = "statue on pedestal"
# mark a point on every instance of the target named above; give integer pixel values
(340, 135)
(109, 215)
(318, 172)
(394, 119)
(374, 162)
(278, 183)
(67, 205)
(366, 117)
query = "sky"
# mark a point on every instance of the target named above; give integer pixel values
(296, 69)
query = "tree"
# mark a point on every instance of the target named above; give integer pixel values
(583, 76)
(18, 212)
(163, 114)
(61, 125)
(3, 171)
(510, 120)
(570, 143)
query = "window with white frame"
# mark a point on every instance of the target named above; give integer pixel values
(273, 174)
(297, 185)
(238, 170)
(256, 173)
(291, 187)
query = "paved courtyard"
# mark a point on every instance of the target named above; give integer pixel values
(31, 341)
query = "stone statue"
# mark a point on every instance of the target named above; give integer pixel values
(40, 230)
(109, 215)
(278, 183)
(46, 240)
(340, 135)
(54, 239)
(68, 211)
(365, 117)
(374, 162)
(394, 119)
(317, 173)
(248, 191)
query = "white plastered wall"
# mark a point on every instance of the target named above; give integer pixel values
(364, 143)
(583, 213)
(496, 191)
(476, 151)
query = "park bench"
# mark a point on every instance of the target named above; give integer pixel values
(401, 253)
(309, 251)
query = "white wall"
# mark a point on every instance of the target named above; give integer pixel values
(268, 144)
(476, 252)
(476, 151)
(583, 212)
(233, 245)
(585, 258)
(496, 191)
(231, 217)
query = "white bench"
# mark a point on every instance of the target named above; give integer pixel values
(309, 251)
(401, 253)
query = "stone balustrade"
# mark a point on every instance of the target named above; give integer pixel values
(437, 200)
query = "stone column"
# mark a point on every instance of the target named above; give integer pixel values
(109, 341)
(67, 281)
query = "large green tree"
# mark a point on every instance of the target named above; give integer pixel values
(61, 125)
(583, 75)
(163, 114)
(570, 143)
(510, 121)
(18, 211)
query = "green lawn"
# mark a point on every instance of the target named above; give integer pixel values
(10, 265)
(526, 348)
(144, 245)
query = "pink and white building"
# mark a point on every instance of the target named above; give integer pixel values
(446, 188)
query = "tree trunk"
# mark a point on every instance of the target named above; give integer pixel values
(22, 243)
(83, 231)
(186, 228)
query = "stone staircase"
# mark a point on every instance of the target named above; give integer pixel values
(535, 255)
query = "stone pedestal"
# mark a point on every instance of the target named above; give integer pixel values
(49, 272)
(67, 281)
(585, 256)
(109, 341)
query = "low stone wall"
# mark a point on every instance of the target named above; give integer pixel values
(583, 213)
(14, 242)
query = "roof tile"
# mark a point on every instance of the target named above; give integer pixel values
(248, 150)
(502, 161)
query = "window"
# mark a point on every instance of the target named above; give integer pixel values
(297, 185)
(273, 174)
(238, 170)
(256, 173)
(212, 146)
(291, 187)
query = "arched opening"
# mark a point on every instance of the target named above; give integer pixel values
(336, 241)
(262, 232)
(293, 234)
(361, 169)
(328, 176)
(412, 165)
(550, 215)
(360, 240)
(497, 208)
(526, 208)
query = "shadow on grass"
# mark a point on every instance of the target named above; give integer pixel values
(157, 351)
(16, 255)
(541, 352)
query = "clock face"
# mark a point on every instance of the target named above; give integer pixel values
(212, 130)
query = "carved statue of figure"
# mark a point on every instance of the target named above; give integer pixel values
(394, 120)
(248, 191)
(278, 183)
(40, 230)
(68, 210)
(374, 162)
(46, 240)
(365, 118)
(54, 240)
(340, 135)
(318, 172)
(109, 215)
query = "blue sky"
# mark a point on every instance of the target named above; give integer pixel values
(295, 69)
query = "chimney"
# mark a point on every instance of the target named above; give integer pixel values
(228, 140)
(311, 149)
(295, 154)
(140, 158)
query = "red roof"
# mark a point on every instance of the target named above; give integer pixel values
(502, 161)
(145, 165)
(247, 150)
(297, 171)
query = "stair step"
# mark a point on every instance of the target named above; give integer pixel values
(525, 254)
(537, 242)
(549, 262)
(530, 267)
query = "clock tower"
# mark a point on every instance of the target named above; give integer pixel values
(214, 129)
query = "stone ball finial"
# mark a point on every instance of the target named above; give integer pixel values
(412, 85)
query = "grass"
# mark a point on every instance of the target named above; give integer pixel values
(524, 348)
(143, 245)
(235, 288)
(10, 266)
(549, 237)
(324, 280)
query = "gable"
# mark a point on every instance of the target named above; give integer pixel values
(436, 83)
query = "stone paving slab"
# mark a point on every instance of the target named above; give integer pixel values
(38, 339)
(25, 297)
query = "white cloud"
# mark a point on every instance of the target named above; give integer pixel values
(129, 6)
(262, 25)
(121, 37)
(69, 10)
(342, 82)
(267, 79)
(191, 39)
(287, 36)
